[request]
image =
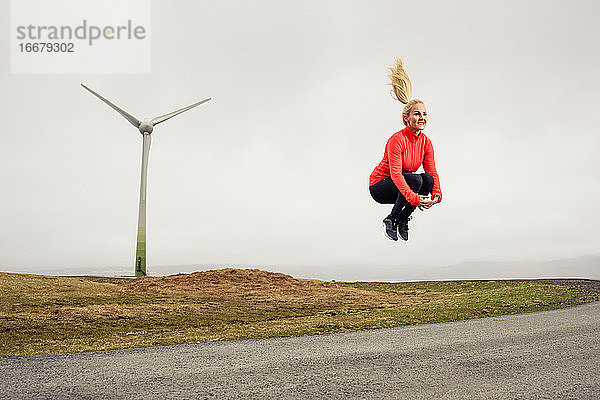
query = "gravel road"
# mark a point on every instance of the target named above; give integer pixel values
(552, 354)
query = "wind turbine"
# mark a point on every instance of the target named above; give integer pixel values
(145, 127)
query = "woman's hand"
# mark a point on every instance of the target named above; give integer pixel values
(425, 202)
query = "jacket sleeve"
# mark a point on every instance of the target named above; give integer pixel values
(394, 153)
(429, 167)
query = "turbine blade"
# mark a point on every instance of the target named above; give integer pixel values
(165, 117)
(133, 120)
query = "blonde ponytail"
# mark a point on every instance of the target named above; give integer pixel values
(402, 88)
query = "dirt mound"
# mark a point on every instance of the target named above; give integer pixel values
(229, 281)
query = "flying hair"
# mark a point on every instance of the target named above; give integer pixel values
(402, 88)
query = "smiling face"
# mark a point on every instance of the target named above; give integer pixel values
(416, 118)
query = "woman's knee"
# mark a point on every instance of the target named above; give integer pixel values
(427, 185)
(414, 181)
(383, 195)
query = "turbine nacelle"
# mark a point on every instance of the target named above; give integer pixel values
(146, 127)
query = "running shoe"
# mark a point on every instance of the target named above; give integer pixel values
(391, 228)
(403, 228)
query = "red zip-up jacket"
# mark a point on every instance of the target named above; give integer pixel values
(405, 151)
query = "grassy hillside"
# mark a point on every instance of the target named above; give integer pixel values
(43, 314)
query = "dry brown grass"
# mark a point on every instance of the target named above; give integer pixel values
(231, 282)
(258, 285)
(40, 314)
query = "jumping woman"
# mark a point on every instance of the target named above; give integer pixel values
(394, 180)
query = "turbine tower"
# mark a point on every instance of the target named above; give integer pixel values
(145, 127)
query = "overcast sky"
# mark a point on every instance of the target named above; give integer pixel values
(273, 172)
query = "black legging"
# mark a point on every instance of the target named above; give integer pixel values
(386, 192)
